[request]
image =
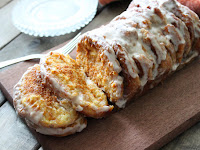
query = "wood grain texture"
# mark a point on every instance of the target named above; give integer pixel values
(7, 29)
(189, 140)
(13, 131)
(25, 44)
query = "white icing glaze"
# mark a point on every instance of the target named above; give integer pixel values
(108, 49)
(112, 58)
(171, 5)
(80, 102)
(175, 66)
(79, 108)
(121, 103)
(192, 56)
(195, 20)
(145, 67)
(118, 81)
(78, 127)
(132, 46)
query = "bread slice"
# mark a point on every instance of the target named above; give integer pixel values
(70, 80)
(43, 109)
(100, 63)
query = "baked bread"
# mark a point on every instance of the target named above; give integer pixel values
(100, 64)
(117, 62)
(43, 109)
(186, 15)
(69, 79)
(143, 45)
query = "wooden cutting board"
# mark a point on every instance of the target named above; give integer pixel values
(148, 123)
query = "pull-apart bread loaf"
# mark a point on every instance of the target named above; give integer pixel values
(43, 109)
(142, 46)
(115, 63)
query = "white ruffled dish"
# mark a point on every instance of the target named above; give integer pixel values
(52, 17)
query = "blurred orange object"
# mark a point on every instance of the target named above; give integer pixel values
(104, 2)
(192, 4)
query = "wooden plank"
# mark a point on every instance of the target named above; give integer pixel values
(14, 133)
(25, 44)
(4, 2)
(7, 30)
(189, 140)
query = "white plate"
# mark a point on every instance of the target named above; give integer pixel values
(52, 17)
